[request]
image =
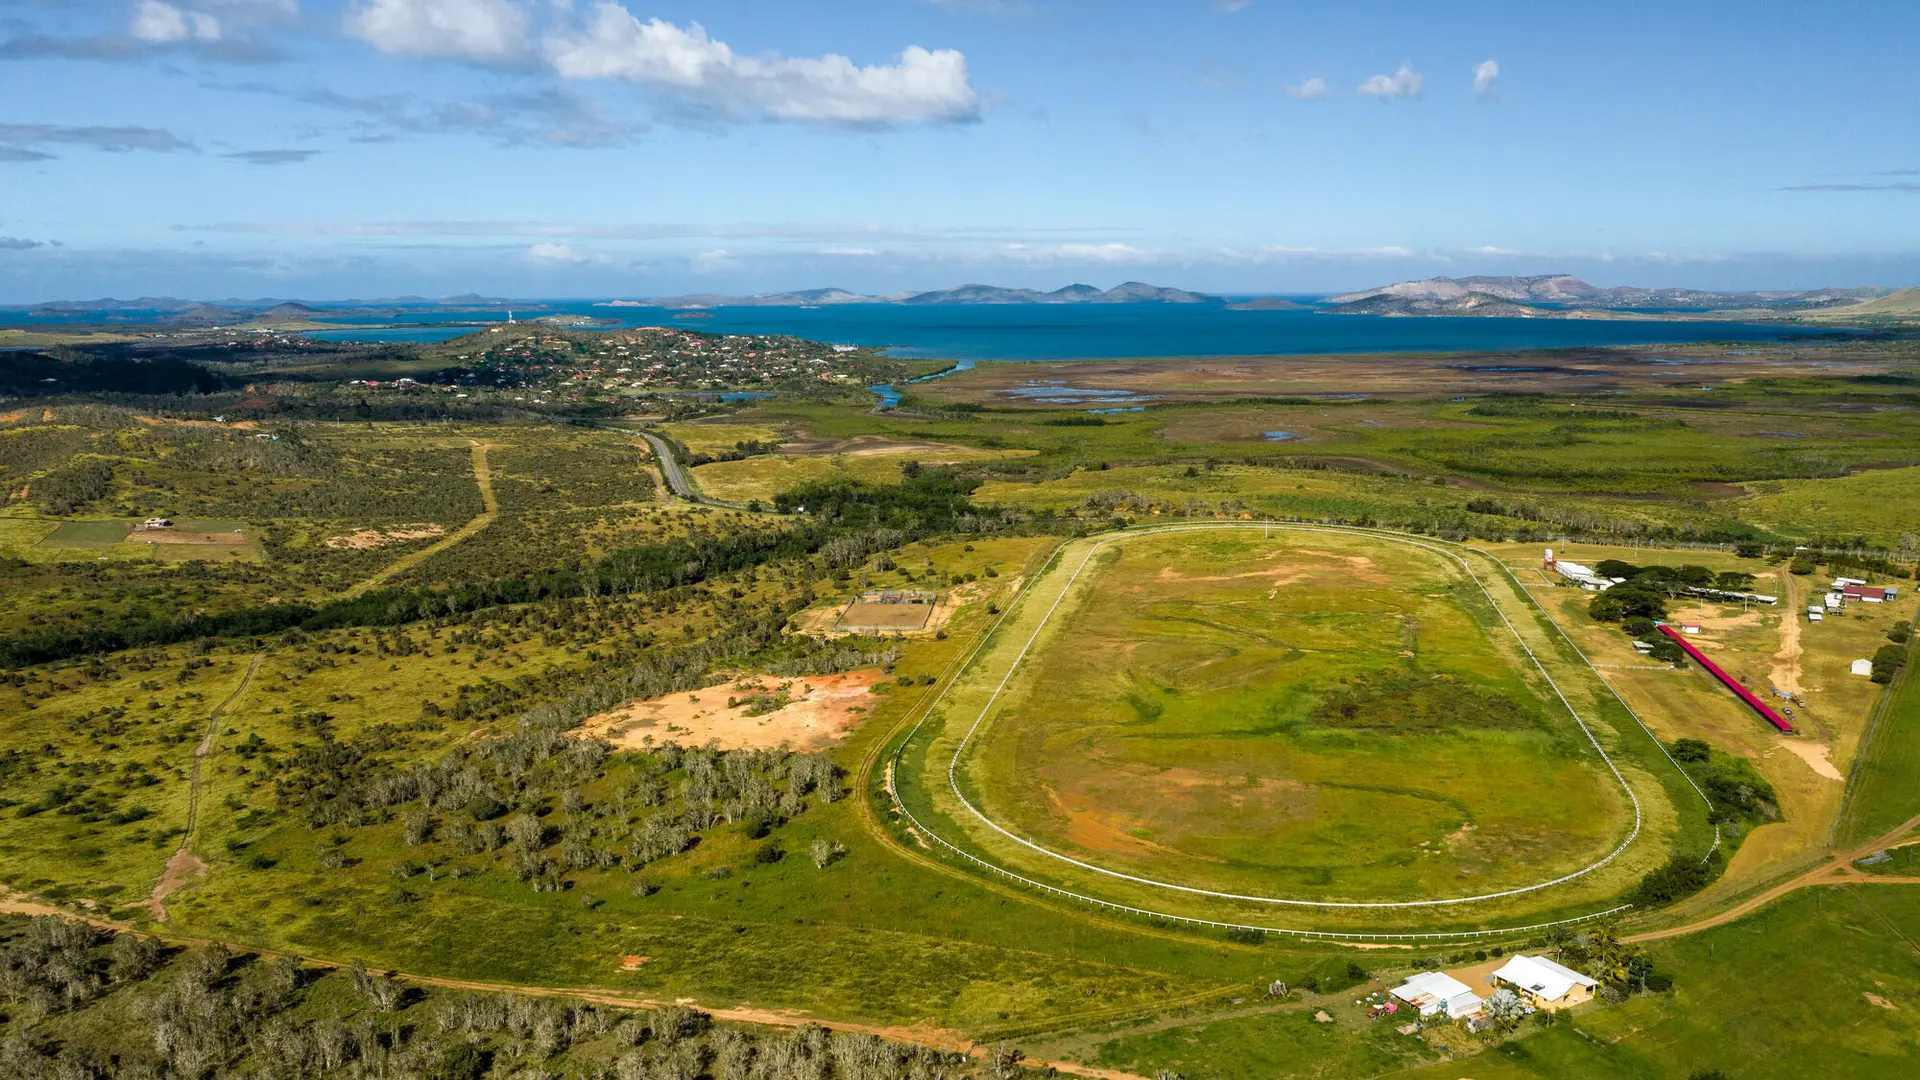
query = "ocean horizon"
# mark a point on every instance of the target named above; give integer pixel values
(1024, 332)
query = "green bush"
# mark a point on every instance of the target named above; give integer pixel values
(1887, 660)
(1683, 875)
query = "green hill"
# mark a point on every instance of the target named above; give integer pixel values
(1904, 304)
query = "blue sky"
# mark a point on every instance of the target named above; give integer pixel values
(321, 149)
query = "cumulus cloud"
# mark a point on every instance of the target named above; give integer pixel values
(921, 86)
(157, 22)
(1314, 89)
(1484, 73)
(14, 243)
(1405, 83)
(483, 30)
(222, 31)
(557, 255)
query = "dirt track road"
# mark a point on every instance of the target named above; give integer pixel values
(489, 510)
(1838, 870)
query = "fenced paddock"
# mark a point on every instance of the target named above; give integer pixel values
(887, 611)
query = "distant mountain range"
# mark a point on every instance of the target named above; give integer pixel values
(1566, 296)
(1132, 292)
(1541, 296)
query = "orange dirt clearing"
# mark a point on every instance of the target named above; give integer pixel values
(821, 711)
(1818, 756)
(373, 538)
(861, 616)
(182, 868)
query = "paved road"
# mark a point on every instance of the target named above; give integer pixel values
(676, 477)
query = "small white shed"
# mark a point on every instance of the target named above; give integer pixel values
(1862, 667)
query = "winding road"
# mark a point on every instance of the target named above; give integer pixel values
(677, 479)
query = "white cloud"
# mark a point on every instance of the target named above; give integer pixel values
(1314, 89)
(1266, 253)
(1228, 7)
(714, 262)
(1405, 83)
(1106, 253)
(1484, 73)
(557, 255)
(856, 251)
(485, 30)
(922, 86)
(159, 22)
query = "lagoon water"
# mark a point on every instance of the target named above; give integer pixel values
(1111, 331)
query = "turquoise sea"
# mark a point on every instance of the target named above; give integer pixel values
(1108, 331)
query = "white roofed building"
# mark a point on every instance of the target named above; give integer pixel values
(1580, 575)
(1436, 992)
(1547, 984)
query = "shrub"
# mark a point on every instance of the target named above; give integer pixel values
(1691, 750)
(1683, 875)
(1887, 660)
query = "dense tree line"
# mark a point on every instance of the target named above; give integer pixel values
(27, 374)
(848, 522)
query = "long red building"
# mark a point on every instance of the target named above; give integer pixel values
(1766, 712)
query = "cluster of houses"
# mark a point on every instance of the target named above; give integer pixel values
(1847, 590)
(1539, 982)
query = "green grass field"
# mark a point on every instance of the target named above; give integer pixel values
(1288, 718)
(1884, 789)
(1309, 717)
(1826, 954)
